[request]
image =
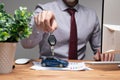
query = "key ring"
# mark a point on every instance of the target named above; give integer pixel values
(52, 40)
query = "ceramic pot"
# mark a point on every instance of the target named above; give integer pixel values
(7, 54)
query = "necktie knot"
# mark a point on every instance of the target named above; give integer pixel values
(71, 11)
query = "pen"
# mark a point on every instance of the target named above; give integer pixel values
(39, 7)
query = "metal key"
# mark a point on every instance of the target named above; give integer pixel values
(52, 42)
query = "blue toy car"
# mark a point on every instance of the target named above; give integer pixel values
(51, 61)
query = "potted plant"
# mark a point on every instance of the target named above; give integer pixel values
(13, 28)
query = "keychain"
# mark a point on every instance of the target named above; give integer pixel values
(52, 42)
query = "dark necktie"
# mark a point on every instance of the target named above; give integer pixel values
(73, 36)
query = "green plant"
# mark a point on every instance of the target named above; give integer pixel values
(16, 27)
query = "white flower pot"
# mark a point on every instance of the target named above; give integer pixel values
(7, 54)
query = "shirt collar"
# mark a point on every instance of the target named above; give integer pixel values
(63, 6)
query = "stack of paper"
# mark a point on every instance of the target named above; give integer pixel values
(111, 37)
(71, 66)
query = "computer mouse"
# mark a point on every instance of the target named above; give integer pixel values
(119, 65)
(22, 61)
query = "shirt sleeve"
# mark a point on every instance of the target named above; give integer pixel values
(36, 36)
(95, 40)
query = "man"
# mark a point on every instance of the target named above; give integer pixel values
(54, 17)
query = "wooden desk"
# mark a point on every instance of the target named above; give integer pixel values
(100, 72)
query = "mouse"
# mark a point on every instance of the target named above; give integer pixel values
(119, 65)
(22, 61)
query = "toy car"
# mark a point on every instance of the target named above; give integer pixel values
(51, 61)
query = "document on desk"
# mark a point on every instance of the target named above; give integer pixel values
(73, 66)
(104, 62)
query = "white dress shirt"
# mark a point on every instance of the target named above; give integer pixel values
(88, 30)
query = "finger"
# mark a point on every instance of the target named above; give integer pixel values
(38, 18)
(42, 20)
(35, 19)
(99, 54)
(106, 57)
(43, 16)
(102, 57)
(112, 57)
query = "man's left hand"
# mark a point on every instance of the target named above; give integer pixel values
(104, 57)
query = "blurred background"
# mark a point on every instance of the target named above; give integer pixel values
(111, 16)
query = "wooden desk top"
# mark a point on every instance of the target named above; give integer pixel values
(100, 72)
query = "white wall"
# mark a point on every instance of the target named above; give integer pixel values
(11, 5)
(112, 12)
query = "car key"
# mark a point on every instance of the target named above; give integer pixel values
(52, 42)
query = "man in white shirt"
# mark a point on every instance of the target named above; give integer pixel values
(55, 18)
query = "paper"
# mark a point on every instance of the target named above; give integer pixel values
(111, 37)
(72, 66)
(113, 27)
(104, 62)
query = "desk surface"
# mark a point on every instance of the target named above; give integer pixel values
(100, 72)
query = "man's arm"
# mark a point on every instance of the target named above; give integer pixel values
(36, 35)
(42, 21)
(33, 39)
(95, 43)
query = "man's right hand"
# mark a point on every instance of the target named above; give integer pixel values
(45, 21)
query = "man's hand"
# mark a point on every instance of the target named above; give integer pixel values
(104, 57)
(45, 21)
